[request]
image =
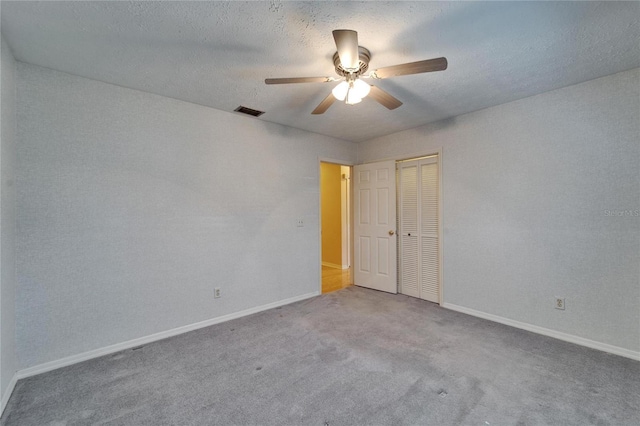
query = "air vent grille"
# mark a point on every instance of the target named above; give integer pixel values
(249, 111)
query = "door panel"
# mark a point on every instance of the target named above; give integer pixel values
(364, 251)
(383, 256)
(430, 283)
(408, 232)
(375, 213)
(364, 214)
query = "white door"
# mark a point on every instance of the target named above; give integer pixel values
(419, 229)
(374, 189)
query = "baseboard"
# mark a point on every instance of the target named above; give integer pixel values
(333, 265)
(627, 353)
(7, 393)
(74, 359)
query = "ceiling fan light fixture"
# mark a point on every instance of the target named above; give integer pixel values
(351, 92)
(351, 61)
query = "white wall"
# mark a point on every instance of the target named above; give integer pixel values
(526, 190)
(133, 207)
(345, 196)
(8, 364)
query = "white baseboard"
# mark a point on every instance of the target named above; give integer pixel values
(74, 359)
(7, 393)
(334, 265)
(627, 353)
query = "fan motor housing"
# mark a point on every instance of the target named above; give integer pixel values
(364, 56)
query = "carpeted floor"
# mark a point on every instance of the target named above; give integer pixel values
(352, 357)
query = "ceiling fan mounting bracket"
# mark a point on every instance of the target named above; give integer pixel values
(364, 56)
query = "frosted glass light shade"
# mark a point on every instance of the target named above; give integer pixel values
(352, 97)
(340, 91)
(361, 88)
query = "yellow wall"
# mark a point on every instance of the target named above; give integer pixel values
(330, 180)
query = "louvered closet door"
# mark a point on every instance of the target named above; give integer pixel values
(409, 230)
(429, 256)
(419, 258)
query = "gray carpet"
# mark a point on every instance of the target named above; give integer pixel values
(354, 357)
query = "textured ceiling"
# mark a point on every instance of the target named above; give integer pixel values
(219, 53)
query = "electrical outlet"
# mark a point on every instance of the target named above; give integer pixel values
(216, 293)
(300, 223)
(560, 303)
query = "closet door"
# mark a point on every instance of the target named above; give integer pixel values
(419, 225)
(429, 226)
(408, 259)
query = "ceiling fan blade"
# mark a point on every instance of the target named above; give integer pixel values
(299, 80)
(428, 65)
(347, 44)
(324, 105)
(384, 98)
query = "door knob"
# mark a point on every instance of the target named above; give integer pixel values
(391, 232)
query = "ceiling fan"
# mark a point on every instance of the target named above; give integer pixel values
(351, 62)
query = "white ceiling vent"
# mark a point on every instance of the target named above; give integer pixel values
(249, 111)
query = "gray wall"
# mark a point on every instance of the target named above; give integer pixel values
(529, 188)
(133, 207)
(8, 364)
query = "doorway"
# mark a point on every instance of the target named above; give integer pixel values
(335, 226)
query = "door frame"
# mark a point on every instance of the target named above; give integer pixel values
(349, 164)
